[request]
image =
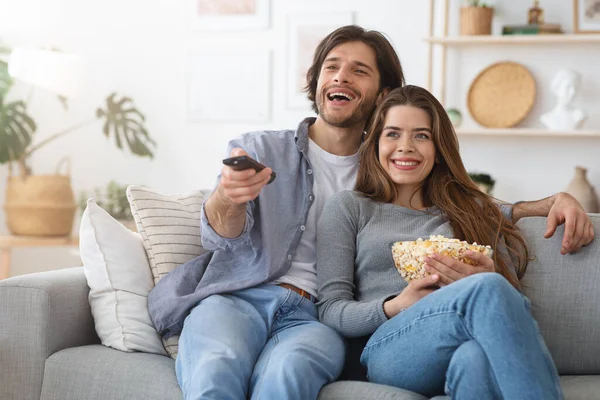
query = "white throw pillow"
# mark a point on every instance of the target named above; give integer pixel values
(119, 277)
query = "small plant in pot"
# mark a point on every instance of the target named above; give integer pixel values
(485, 182)
(44, 205)
(476, 18)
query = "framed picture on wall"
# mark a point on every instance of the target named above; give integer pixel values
(305, 31)
(228, 15)
(586, 16)
(219, 90)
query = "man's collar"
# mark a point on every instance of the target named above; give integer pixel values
(302, 133)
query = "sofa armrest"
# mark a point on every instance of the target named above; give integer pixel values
(40, 314)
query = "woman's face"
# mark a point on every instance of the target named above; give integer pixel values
(406, 148)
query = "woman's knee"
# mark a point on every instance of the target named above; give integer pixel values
(491, 282)
(469, 355)
(490, 291)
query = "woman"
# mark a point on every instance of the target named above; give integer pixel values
(463, 330)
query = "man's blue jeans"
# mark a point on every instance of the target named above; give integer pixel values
(473, 339)
(260, 343)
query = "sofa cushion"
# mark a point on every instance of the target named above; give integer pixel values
(118, 274)
(169, 225)
(170, 228)
(353, 390)
(565, 305)
(98, 372)
(580, 387)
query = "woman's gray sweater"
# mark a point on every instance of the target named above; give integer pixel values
(355, 269)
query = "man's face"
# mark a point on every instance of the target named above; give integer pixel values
(348, 85)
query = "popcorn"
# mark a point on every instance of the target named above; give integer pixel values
(409, 256)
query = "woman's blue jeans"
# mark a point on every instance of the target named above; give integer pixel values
(260, 343)
(473, 339)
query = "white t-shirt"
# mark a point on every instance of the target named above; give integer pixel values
(331, 174)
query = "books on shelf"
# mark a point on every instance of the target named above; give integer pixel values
(533, 29)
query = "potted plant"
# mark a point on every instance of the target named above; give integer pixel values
(485, 182)
(44, 205)
(113, 199)
(476, 18)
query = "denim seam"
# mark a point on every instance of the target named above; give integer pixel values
(278, 312)
(406, 327)
(259, 385)
(293, 309)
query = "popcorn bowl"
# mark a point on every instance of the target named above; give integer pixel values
(409, 256)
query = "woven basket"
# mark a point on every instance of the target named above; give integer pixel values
(502, 95)
(40, 205)
(476, 20)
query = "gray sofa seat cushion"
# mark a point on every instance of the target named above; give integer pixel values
(575, 387)
(355, 390)
(581, 387)
(99, 372)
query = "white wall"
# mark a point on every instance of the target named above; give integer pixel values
(140, 48)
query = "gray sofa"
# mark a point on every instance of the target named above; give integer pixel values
(49, 349)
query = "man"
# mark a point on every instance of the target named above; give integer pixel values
(253, 330)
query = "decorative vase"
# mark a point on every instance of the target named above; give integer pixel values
(476, 20)
(583, 191)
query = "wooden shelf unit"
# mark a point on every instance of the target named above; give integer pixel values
(526, 132)
(565, 38)
(446, 41)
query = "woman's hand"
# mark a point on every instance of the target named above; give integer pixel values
(451, 270)
(414, 292)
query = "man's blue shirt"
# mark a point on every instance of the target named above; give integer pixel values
(267, 245)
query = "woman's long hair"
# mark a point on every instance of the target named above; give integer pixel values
(474, 216)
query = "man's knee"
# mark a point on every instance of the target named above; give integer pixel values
(323, 356)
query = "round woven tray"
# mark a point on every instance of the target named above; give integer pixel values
(501, 95)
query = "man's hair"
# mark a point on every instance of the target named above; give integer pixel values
(473, 215)
(388, 64)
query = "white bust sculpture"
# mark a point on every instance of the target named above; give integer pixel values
(564, 86)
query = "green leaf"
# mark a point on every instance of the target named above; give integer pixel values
(126, 123)
(5, 80)
(16, 131)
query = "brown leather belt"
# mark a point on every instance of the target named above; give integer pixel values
(301, 292)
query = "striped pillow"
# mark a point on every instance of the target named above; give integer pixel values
(169, 225)
(170, 230)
